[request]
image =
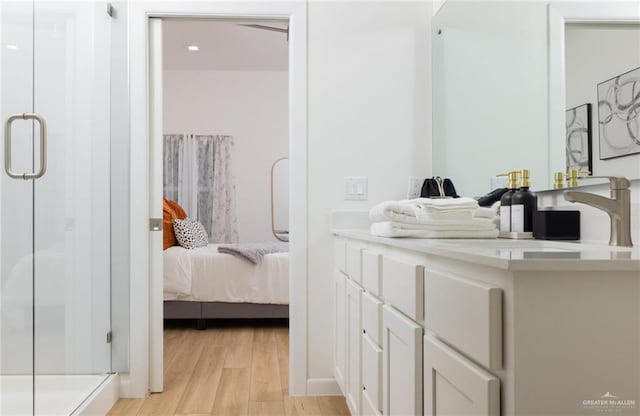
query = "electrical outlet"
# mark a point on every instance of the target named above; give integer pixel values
(415, 187)
(355, 188)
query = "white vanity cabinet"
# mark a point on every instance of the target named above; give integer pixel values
(380, 338)
(486, 327)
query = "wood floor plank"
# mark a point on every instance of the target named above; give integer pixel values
(301, 406)
(333, 405)
(282, 345)
(173, 339)
(126, 407)
(265, 369)
(239, 348)
(272, 408)
(177, 375)
(200, 392)
(232, 397)
(227, 370)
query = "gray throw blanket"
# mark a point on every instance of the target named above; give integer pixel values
(253, 252)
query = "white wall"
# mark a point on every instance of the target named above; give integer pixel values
(369, 115)
(595, 53)
(252, 107)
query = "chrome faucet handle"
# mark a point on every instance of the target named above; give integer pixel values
(615, 182)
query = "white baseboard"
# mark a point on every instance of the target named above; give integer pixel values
(323, 387)
(102, 399)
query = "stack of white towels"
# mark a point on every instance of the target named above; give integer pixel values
(433, 218)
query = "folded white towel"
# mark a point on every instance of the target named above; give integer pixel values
(474, 224)
(387, 229)
(446, 203)
(484, 212)
(417, 211)
(459, 215)
(496, 220)
(487, 212)
(402, 211)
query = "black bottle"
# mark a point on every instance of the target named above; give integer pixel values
(523, 204)
(505, 202)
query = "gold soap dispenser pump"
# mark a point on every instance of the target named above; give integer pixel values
(505, 201)
(574, 175)
(558, 180)
(523, 204)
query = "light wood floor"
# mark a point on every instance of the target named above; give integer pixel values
(228, 369)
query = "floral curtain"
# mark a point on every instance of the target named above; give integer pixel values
(198, 173)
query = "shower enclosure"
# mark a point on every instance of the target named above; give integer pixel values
(55, 204)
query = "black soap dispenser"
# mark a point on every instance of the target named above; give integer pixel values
(505, 201)
(523, 204)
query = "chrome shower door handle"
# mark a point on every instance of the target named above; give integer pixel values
(43, 147)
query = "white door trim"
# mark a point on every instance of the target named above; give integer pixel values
(156, 283)
(137, 382)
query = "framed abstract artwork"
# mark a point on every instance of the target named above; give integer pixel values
(578, 138)
(619, 115)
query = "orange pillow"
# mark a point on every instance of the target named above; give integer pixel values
(180, 213)
(170, 211)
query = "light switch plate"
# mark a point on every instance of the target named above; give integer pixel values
(355, 188)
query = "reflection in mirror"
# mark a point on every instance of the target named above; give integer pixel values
(602, 74)
(490, 93)
(280, 199)
(499, 89)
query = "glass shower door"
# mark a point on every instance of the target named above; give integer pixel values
(16, 210)
(72, 203)
(54, 223)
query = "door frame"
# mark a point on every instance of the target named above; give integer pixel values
(136, 383)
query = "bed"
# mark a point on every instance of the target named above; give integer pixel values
(204, 284)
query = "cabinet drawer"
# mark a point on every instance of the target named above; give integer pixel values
(372, 272)
(372, 372)
(454, 385)
(372, 318)
(467, 315)
(340, 255)
(403, 286)
(354, 262)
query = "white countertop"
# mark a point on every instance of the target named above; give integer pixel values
(516, 255)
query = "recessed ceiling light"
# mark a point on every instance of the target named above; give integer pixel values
(12, 47)
(192, 48)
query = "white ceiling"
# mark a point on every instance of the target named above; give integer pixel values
(224, 45)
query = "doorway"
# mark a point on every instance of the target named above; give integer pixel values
(297, 151)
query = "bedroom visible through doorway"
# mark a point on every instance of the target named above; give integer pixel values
(225, 148)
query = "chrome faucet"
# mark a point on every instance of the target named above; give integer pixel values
(618, 207)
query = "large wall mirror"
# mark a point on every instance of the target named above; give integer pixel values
(511, 81)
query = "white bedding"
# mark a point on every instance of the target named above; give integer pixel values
(203, 274)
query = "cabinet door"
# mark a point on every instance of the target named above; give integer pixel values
(354, 347)
(402, 364)
(340, 317)
(453, 385)
(371, 373)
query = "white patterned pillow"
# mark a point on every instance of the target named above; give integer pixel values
(190, 233)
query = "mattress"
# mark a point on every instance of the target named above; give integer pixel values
(203, 274)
